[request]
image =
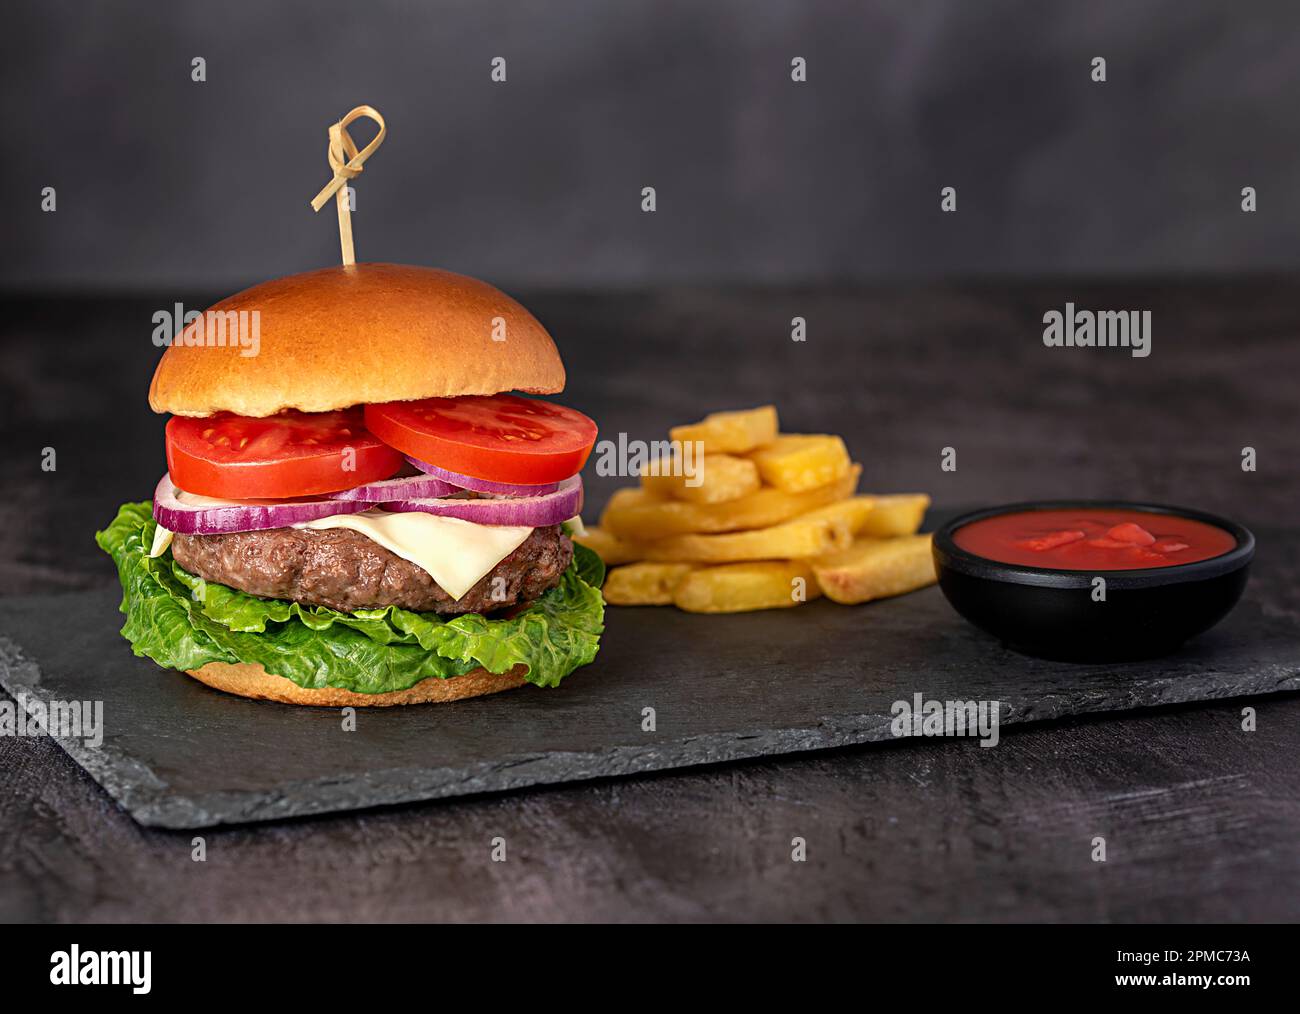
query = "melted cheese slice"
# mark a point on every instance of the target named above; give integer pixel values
(453, 552)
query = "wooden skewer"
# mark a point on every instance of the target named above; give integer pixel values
(347, 162)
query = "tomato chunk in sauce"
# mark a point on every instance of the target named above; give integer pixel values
(1093, 538)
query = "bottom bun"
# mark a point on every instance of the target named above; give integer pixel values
(249, 680)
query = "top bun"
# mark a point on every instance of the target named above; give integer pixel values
(345, 336)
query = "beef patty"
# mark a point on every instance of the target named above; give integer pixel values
(345, 570)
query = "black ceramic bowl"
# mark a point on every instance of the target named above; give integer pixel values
(1052, 614)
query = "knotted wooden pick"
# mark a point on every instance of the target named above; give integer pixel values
(347, 162)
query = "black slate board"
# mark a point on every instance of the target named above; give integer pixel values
(179, 755)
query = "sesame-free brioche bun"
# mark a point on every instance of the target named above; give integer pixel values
(344, 336)
(247, 679)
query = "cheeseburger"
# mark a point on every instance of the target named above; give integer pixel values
(364, 512)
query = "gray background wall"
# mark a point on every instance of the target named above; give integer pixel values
(165, 182)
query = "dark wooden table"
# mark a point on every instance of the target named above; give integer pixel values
(1201, 819)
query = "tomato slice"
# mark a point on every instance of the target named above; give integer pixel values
(286, 455)
(501, 437)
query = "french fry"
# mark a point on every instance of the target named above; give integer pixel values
(795, 462)
(792, 540)
(731, 432)
(743, 587)
(876, 569)
(721, 477)
(636, 515)
(644, 584)
(854, 512)
(608, 547)
(895, 514)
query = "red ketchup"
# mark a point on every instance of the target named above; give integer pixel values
(1093, 538)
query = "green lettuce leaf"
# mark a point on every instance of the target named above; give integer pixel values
(183, 622)
(591, 568)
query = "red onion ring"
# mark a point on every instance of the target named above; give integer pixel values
(530, 511)
(484, 485)
(402, 488)
(190, 519)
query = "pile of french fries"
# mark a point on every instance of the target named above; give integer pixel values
(770, 521)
